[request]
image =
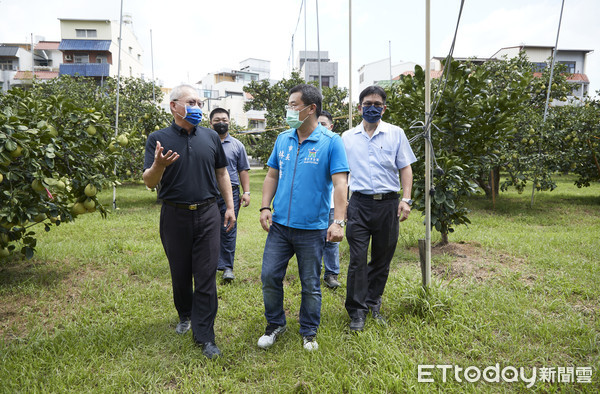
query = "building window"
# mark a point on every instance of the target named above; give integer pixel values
(254, 124)
(86, 33)
(570, 66)
(101, 59)
(139, 57)
(361, 77)
(538, 67)
(233, 94)
(81, 58)
(130, 71)
(6, 65)
(130, 50)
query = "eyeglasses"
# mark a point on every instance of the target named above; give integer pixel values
(295, 107)
(193, 103)
(377, 104)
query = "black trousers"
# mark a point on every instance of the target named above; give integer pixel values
(191, 242)
(376, 222)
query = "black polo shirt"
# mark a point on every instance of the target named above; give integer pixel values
(191, 178)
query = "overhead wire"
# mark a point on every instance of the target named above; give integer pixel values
(293, 35)
(437, 98)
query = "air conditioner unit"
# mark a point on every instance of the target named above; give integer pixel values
(68, 58)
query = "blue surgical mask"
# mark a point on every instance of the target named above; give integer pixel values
(292, 118)
(372, 114)
(193, 115)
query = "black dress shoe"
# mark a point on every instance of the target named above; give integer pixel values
(183, 326)
(210, 350)
(378, 317)
(357, 324)
(228, 275)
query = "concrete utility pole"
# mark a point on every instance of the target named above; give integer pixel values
(152, 62)
(350, 64)
(118, 89)
(319, 47)
(426, 269)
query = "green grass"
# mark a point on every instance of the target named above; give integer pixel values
(93, 310)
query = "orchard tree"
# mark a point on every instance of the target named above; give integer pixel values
(139, 115)
(530, 156)
(51, 165)
(58, 149)
(470, 122)
(576, 141)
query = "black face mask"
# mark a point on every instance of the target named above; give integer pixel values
(221, 128)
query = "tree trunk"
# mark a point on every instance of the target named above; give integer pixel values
(444, 240)
(485, 182)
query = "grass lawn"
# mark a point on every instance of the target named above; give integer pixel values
(520, 287)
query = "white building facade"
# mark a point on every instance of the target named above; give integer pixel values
(225, 89)
(90, 48)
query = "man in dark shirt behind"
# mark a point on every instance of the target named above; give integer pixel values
(191, 173)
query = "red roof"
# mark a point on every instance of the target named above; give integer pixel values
(38, 74)
(50, 45)
(570, 77)
(433, 73)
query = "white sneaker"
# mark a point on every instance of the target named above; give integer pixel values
(310, 343)
(272, 332)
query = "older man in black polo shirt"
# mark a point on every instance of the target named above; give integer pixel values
(191, 173)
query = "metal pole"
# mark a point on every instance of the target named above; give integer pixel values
(32, 60)
(390, 42)
(318, 47)
(305, 39)
(118, 89)
(152, 61)
(427, 276)
(350, 64)
(549, 90)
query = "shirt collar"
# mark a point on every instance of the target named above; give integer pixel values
(381, 128)
(314, 136)
(181, 130)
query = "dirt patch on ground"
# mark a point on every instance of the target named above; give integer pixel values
(52, 293)
(470, 260)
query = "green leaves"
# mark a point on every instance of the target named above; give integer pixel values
(58, 133)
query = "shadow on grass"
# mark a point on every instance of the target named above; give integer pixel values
(513, 205)
(18, 273)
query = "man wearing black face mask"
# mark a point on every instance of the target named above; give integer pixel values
(377, 153)
(237, 166)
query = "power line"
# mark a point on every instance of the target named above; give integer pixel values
(291, 55)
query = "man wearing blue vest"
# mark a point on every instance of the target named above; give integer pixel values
(307, 160)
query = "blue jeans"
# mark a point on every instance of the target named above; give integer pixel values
(282, 243)
(331, 254)
(227, 253)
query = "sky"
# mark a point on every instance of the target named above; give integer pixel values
(193, 38)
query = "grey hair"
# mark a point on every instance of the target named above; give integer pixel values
(179, 90)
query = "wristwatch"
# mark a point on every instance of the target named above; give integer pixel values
(248, 193)
(408, 201)
(342, 223)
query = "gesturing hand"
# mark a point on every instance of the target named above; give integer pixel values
(164, 160)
